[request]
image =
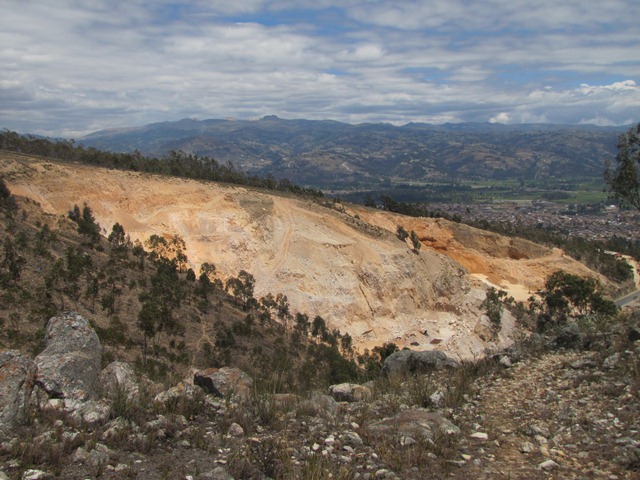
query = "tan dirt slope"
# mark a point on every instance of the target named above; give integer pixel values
(356, 274)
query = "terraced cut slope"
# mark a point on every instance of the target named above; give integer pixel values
(348, 267)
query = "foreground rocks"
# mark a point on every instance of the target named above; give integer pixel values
(17, 378)
(409, 361)
(411, 425)
(69, 366)
(565, 414)
(225, 382)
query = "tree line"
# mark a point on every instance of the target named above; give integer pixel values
(176, 163)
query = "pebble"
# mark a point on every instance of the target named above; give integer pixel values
(547, 465)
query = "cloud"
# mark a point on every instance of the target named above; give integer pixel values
(81, 66)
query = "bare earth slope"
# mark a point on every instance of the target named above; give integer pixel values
(356, 274)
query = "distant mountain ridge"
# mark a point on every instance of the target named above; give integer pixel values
(326, 153)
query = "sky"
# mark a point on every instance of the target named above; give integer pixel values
(71, 67)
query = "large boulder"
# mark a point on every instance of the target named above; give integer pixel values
(119, 378)
(409, 361)
(69, 366)
(318, 405)
(413, 423)
(17, 377)
(350, 392)
(225, 382)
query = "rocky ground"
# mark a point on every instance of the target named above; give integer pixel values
(548, 413)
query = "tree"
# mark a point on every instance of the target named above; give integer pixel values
(624, 180)
(86, 222)
(493, 307)
(318, 327)
(242, 288)
(569, 296)
(401, 233)
(302, 323)
(7, 200)
(12, 263)
(415, 240)
(171, 250)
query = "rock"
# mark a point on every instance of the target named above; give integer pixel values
(181, 391)
(479, 436)
(285, 401)
(412, 423)
(351, 438)
(235, 430)
(505, 361)
(536, 429)
(547, 465)
(92, 412)
(612, 361)
(69, 366)
(409, 361)
(117, 378)
(17, 377)
(218, 473)
(527, 447)
(36, 475)
(484, 329)
(319, 404)
(225, 382)
(115, 428)
(349, 392)
(98, 456)
(437, 398)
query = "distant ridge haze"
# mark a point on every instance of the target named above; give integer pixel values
(327, 152)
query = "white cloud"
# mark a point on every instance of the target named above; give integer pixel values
(73, 67)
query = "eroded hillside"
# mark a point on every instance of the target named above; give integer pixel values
(348, 266)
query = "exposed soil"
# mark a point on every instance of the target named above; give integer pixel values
(347, 267)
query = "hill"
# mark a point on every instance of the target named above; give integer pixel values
(562, 404)
(342, 262)
(334, 155)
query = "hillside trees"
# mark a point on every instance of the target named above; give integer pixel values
(493, 307)
(176, 163)
(7, 201)
(624, 179)
(242, 289)
(47, 265)
(87, 224)
(566, 296)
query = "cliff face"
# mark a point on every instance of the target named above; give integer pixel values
(348, 267)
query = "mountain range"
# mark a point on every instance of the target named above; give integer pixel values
(330, 154)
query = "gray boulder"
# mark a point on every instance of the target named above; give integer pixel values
(225, 382)
(318, 405)
(409, 361)
(119, 378)
(350, 392)
(17, 377)
(412, 423)
(69, 366)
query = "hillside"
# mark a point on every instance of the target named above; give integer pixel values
(329, 154)
(561, 405)
(341, 262)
